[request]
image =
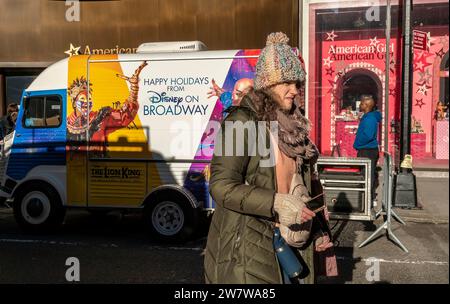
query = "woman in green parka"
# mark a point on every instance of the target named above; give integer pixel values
(253, 194)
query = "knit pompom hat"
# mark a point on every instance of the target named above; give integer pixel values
(277, 63)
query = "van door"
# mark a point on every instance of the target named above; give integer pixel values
(39, 140)
(76, 126)
(117, 143)
(76, 176)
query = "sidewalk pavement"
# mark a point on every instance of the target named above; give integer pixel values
(425, 235)
(433, 202)
(432, 199)
(431, 165)
(432, 177)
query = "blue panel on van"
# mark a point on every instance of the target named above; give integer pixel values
(34, 147)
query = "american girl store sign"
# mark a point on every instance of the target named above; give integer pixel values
(349, 68)
(372, 51)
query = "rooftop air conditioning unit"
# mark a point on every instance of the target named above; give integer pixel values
(171, 47)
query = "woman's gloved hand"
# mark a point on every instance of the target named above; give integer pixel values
(297, 237)
(322, 243)
(291, 209)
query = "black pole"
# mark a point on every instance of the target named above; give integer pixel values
(406, 100)
(386, 83)
(405, 180)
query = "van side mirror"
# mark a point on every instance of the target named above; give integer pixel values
(25, 101)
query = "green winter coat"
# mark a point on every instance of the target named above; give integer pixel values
(239, 248)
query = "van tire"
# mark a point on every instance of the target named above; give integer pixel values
(38, 208)
(169, 219)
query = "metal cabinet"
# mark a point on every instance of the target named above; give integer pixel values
(346, 184)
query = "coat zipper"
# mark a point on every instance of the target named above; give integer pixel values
(280, 274)
(274, 167)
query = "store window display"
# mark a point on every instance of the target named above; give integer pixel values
(346, 55)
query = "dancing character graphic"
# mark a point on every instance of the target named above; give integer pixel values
(103, 122)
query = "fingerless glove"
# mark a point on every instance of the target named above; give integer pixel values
(288, 208)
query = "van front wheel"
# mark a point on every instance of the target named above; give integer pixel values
(38, 207)
(168, 220)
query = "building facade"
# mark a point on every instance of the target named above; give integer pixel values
(36, 33)
(343, 44)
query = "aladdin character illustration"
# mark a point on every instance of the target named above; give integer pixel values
(241, 87)
(101, 122)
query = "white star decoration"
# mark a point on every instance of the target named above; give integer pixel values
(73, 50)
(424, 77)
(331, 35)
(374, 41)
(327, 61)
(423, 89)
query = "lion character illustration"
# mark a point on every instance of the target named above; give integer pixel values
(103, 122)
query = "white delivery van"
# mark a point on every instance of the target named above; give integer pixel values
(131, 131)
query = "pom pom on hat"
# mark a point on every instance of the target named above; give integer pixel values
(277, 38)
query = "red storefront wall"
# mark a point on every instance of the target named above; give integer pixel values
(335, 55)
(344, 59)
(432, 141)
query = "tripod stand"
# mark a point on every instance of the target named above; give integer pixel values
(386, 208)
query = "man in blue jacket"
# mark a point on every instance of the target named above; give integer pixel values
(366, 141)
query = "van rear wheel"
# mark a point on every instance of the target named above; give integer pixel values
(170, 220)
(38, 207)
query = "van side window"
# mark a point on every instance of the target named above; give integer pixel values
(42, 111)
